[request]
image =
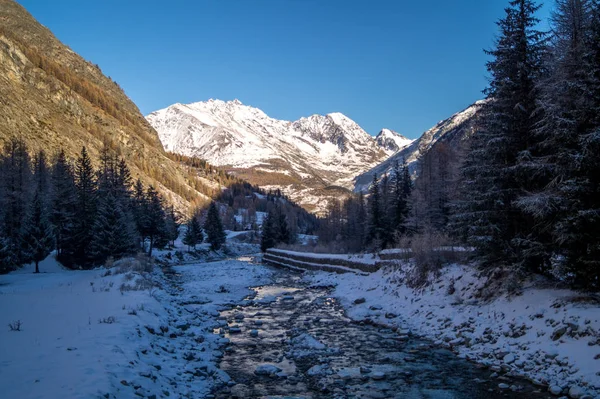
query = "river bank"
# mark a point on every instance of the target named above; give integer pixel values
(550, 336)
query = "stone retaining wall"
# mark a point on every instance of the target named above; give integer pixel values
(337, 265)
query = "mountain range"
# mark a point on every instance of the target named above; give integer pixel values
(54, 99)
(313, 159)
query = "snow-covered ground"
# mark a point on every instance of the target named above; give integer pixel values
(552, 336)
(84, 334)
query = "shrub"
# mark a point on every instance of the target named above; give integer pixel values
(429, 257)
(142, 263)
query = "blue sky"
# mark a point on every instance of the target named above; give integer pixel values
(402, 65)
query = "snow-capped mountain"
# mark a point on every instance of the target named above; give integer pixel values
(310, 159)
(391, 141)
(458, 127)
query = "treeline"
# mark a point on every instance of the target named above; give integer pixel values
(86, 215)
(374, 223)
(213, 227)
(248, 205)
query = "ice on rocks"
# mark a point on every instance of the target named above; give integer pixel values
(269, 370)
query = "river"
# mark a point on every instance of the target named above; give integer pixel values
(290, 340)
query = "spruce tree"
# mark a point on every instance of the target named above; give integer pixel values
(284, 234)
(172, 226)
(215, 235)
(139, 204)
(268, 237)
(85, 211)
(401, 191)
(63, 199)
(37, 237)
(112, 230)
(496, 170)
(385, 187)
(193, 234)
(15, 177)
(568, 207)
(155, 217)
(376, 215)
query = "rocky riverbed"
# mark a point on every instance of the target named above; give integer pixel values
(293, 340)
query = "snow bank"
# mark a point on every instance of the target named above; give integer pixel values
(551, 336)
(85, 334)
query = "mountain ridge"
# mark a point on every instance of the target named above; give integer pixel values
(456, 128)
(54, 99)
(303, 157)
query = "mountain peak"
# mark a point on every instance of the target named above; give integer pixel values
(301, 157)
(391, 141)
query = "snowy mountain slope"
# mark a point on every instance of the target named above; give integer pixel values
(313, 153)
(457, 127)
(391, 141)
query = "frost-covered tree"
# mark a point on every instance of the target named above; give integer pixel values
(496, 171)
(565, 208)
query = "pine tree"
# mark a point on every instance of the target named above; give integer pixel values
(215, 235)
(172, 226)
(567, 208)
(496, 170)
(38, 238)
(284, 235)
(376, 216)
(193, 234)
(401, 190)
(15, 177)
(62, 202)
(85, 211)
(268, 237)
(112, 230)
(386, 201)
(155, 214)
(139, 205)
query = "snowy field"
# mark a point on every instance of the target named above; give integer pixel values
(84, 334)
(551, 336)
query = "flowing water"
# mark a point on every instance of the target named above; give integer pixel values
(294, 341)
